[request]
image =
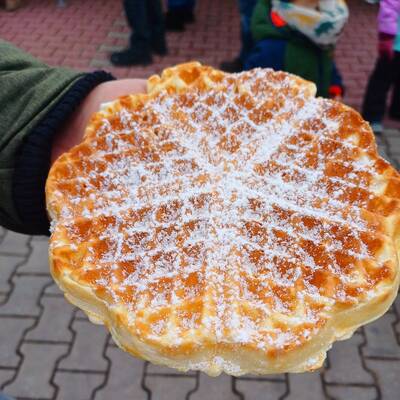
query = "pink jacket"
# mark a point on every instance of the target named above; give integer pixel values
(389, 14)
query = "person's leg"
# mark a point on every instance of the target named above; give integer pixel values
(268, 53)
(246, 8)
(374, 104)
(394, 110)
(157, 26)
(179, 13)
(137, 16)
(140, 39)
(174, 4)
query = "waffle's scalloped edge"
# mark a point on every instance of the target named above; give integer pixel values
(309, 357)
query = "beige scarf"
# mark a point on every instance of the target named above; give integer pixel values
(321, 25)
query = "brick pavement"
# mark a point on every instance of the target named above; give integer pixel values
(42, 337)
(83, 34)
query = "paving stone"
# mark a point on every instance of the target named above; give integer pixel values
(33, 379)
(381, 340)
(261, 389)
(380, 140)
(119, 35)
(53, 290)
(99, 63)
(346, 363)
(54, 321)
(388, 373)
(214, 388)
(159, 369)
(393, 144)
(352, 392)
(396, 162)
(2, 233)
(40, 238)
(5, 376)
(79, 386)
(87, 349)
(165, 388)
(110, 48)
(8, 264)
(11, 331)
(396, 306)
(38, 262)
(25, 295)
(81, 315)
(382, 150)
(124, 377)
(15, 243)
(305, 387)
(391, 132)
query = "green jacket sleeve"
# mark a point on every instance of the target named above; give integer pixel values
(29, 92)
(259, 26)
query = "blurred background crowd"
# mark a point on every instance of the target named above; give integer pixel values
(298, 36)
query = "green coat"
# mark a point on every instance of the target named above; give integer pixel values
(29, 90)
(301, 56)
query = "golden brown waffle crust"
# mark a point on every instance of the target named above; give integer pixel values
(211, 358)
(309, 358)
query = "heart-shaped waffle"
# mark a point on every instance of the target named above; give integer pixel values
(226, 222)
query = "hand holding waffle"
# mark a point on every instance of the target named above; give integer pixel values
(72, 132)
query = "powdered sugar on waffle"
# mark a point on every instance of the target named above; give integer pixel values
(227, 198)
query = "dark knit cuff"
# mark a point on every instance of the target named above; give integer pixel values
(33, 159)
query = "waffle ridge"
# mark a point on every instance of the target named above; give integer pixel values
(226, 222)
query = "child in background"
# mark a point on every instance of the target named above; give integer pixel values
(387, 69)
(299, 37)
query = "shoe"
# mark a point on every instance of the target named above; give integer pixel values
(129, 57)
(159, 47)
(377, 127)
(235, 65)
(174, 21)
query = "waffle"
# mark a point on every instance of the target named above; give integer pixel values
(226, 222)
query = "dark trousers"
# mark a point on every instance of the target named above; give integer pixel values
(385, 75)
(181, 3)
(246, 8)
(146, 19)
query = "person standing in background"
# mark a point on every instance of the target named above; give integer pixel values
(246, 8)
(146, 19)
(179, 13)
(299, 36)
(387, 68)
